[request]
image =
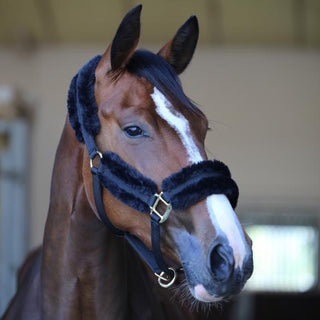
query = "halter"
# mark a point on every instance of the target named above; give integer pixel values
(178, 191)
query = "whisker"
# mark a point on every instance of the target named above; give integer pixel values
(182, 294)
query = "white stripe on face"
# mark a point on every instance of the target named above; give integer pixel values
(224, 218)
(221, 213)
(178, 122)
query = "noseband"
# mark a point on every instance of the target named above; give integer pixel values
(178, 191)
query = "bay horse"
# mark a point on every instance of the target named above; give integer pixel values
(133, 143)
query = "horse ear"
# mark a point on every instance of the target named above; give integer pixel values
(125, 41)
(126, 38)
(179, 51)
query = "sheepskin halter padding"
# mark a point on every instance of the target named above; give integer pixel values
(182, 189)
(82, 106)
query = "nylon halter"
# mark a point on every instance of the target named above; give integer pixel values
(178, 191)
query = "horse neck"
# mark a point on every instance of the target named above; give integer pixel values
(87, 272)
(82, 262)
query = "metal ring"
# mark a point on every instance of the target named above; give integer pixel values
(98, 153)
(166, 277)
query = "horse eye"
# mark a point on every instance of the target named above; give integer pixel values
(133, 131)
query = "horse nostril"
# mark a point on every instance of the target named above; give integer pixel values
(221, 262)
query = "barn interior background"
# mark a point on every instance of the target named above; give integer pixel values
(256, 74)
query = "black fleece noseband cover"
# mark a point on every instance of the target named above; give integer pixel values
(182, 189)
(196, 182)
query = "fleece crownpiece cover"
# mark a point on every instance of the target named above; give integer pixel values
(82, 106)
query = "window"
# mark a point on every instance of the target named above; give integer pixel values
(285, 257)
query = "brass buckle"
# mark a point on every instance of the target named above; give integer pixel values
(165, 280)
(153, 209)
(98, 153)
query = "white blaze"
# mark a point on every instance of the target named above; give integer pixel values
(221, 213)
(223, 216)
(178, 122)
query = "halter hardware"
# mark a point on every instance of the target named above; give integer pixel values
(159, 200)
(165, 280)
(98, 153)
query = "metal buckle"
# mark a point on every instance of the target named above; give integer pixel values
(153, 209)
(165, 280)
(98, 153)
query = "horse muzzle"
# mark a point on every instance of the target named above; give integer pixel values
(213, 276)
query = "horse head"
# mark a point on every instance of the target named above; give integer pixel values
(144, 117)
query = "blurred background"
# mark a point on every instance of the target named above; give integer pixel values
(256, 74)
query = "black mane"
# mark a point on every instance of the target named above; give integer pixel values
(161, 75)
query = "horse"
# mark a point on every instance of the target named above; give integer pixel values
(141, 225)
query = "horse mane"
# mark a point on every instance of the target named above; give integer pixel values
(161, 75)
(144, 64)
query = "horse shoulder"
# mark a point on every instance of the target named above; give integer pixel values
(26, 302)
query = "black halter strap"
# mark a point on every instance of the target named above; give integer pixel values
(179, 191)
(152, 258)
